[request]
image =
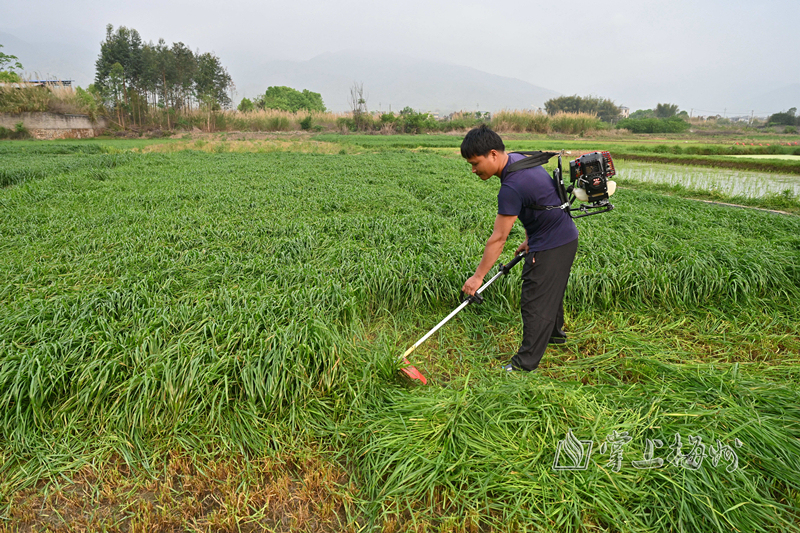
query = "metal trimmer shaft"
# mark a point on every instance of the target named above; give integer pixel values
(504, 269)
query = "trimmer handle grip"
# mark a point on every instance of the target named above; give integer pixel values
(474, 299)
(505, 269)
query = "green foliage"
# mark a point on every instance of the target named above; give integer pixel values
(605, 109)
(19, 132)
(9, 77)
(411, 121)
(666, 110)
(90, 101)
(307, 123)
(246, 105)
(786, 118)
(654, 125)
(8, 65)
(642, 113)
(212, 80)
(288, 99)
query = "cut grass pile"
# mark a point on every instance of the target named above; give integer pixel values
(253, 305)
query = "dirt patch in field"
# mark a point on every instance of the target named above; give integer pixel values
(241, 135)
(228, 494)
(242, 143)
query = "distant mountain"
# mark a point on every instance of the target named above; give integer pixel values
(390, 81)
(393, 81)
(42, 59)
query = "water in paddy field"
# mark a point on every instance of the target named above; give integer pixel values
(728, 181)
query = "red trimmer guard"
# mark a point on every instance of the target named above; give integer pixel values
(412, 372)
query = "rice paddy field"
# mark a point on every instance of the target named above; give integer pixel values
(206, 337)
(733, 183)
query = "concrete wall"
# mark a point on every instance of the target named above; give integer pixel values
(53, 126)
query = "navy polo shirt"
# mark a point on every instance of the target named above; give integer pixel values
(547, 229)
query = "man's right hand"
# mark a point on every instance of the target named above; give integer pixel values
(472, 285)
(522, 248)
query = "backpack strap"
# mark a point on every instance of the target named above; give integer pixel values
(535, 159)
(531, 159)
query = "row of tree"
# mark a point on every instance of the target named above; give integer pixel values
(137, 79)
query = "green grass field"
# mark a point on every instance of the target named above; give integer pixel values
(209, 341)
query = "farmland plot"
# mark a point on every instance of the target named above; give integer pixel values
(726, 181)
(245, 305)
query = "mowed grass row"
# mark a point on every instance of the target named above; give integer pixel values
(251, 302)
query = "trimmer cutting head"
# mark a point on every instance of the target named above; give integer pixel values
(411, 371)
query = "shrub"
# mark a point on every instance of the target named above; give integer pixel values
(786, 118)
(345, 124)
(306, 123)
(288, 99)
(19, 132)
(654, 125)
(411, 121)
(246, 105)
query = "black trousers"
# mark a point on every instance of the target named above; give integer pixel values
(544, 280)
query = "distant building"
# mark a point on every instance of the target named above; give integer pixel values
(38, 83)
(51, 83)
(624, 112)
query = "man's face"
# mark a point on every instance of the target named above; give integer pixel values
(485, 166)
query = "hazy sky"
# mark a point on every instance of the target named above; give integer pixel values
(703, 54)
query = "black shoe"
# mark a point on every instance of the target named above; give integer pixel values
(511, 369)
(557, 340)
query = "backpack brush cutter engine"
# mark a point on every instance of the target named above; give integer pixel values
(412, 372)
(589, 183)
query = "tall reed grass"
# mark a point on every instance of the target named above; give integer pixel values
(26, 97)
(538, 122)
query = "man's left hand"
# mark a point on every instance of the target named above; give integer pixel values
(472, 284)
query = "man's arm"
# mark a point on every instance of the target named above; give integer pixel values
(492, 251)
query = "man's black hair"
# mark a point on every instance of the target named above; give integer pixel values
(480, 141)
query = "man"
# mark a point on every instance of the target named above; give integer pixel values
(551, 242)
